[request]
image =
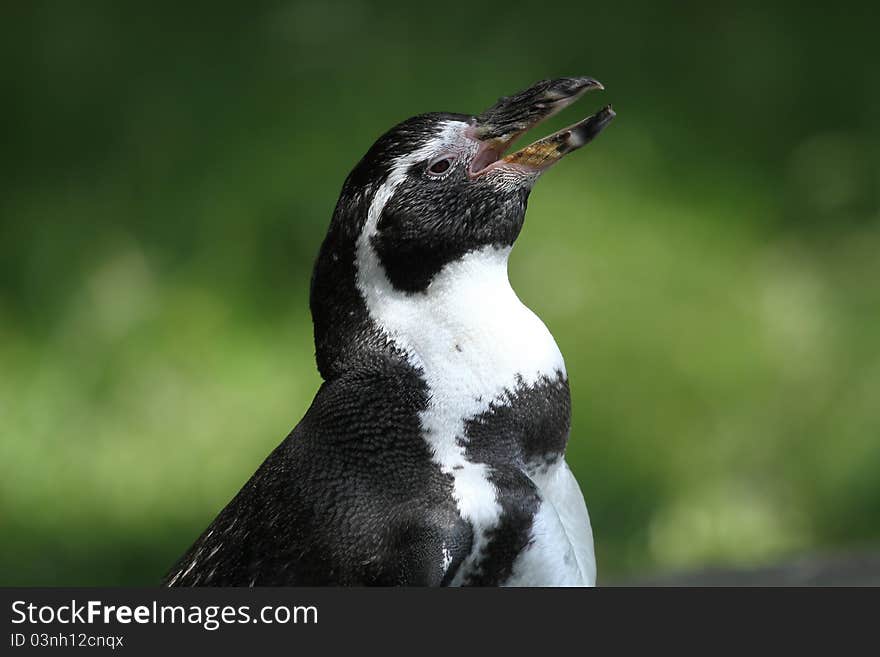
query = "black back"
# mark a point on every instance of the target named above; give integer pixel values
(350, 497)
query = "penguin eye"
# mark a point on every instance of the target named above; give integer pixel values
(440, 166)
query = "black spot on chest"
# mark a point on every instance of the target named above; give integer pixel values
(523, 431)
(527, 426)
(519, 501)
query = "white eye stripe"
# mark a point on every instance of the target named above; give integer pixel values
(444, 143)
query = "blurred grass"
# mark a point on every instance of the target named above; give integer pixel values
(709, 266)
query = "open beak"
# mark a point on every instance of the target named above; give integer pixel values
(499, 126)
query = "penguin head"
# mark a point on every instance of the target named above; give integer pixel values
(445, 186)
(439, 186)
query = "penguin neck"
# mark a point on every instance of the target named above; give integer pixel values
(467, 332)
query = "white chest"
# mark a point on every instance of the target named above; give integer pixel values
(469, 333)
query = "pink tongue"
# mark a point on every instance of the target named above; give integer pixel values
(484, 159)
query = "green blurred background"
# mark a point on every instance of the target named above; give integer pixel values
(709, 266)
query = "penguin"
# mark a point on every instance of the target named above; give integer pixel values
(433, 453)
